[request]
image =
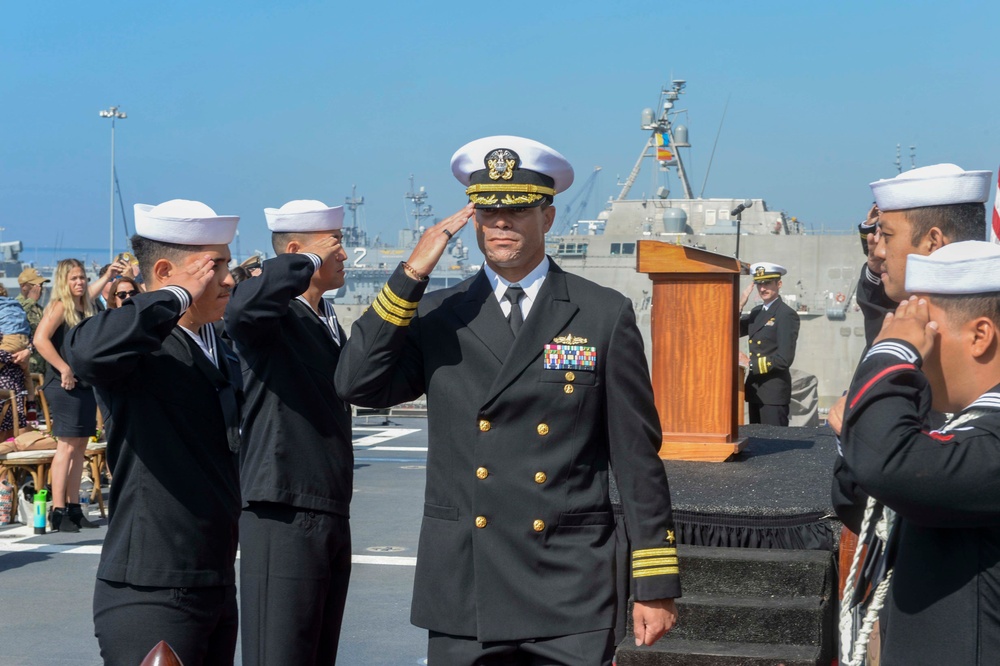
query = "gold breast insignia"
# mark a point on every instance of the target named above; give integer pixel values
(569, 339)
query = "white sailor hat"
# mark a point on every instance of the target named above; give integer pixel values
(966, 267)
(763, 270)
(510, 172)
(185, 223)
(304, 215)
(935, 185)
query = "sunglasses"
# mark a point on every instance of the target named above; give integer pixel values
(126, 294)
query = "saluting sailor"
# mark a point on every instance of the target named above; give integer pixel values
(297, 461)
(773, 330)
(931, 569)
(536, 386)
(171, 385)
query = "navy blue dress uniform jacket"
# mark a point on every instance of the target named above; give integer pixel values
(944, 484)
(773, 334)
(175, 496)
(297, 433)
(517, 539)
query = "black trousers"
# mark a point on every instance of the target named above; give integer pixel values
(769, 414)
(199, 623)
(592, 648)
(295, 566)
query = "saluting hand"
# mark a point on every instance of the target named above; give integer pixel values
(912, 323)
(432, 244)
(745, 296)
(195, 275)
(835, 417)
(325, 247)
(874, 263)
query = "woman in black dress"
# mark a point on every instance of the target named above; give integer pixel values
(72, 405)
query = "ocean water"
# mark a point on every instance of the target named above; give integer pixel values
(47, 257)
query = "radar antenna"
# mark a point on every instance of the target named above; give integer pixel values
(661, 126)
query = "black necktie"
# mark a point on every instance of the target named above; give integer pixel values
(515, 318)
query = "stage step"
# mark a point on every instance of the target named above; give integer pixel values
(746, 606)
(714, 617)
(754, 571)
(676, 652)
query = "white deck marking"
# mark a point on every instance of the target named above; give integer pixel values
(381, 435)
(56, 549)
(397, 448)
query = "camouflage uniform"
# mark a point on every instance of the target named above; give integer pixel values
(34, 312)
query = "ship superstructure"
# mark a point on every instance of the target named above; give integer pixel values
(823, 265)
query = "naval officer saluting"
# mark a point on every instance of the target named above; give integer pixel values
(297, 462)
(773, 330)
(536, 386)
(171, 385)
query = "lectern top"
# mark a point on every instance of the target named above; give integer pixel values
(661, 257)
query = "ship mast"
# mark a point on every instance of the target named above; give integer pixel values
(662, 125)
(420, 211)
(353, 203)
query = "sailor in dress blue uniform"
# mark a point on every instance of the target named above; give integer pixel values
(537, 387)
(773, 331)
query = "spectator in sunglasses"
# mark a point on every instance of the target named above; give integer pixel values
(124, 288)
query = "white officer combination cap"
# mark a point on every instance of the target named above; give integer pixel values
(510, 172)
(764, 270)
(304, 216)
(185, 223)
(935, 185)
(966, 267)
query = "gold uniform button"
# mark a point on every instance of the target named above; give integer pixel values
(539, 525)
(543, 429)
(540, 477)
(484, 425)
(482, 473)
(568, 389)
(480, 522)
(570, 376)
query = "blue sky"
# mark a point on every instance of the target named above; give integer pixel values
(245, 105)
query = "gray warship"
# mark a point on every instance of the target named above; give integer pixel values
(823, 266)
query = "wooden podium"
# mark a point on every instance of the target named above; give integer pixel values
(695, 330)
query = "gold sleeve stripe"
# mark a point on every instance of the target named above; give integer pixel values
(388, 306)
(655, 562)
(653, 552)
(392, 319)
(762, 365)
(656, 572)
(396, 300)
(510, 187)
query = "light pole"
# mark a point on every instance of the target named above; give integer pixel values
(113, 113)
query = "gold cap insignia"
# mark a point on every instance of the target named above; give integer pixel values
(501, 163)
(569, 339)
(759, 272)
